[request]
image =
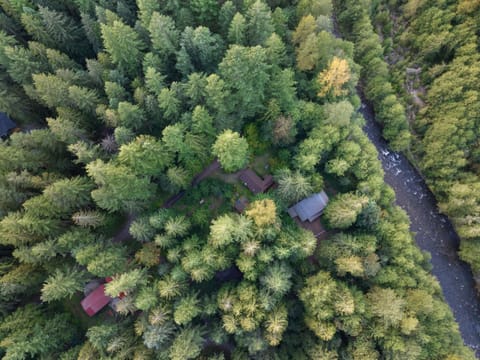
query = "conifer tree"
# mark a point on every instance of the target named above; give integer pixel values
(124, 46)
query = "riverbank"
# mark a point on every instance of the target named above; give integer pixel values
(433, 233)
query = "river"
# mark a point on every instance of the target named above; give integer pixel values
(433, 233)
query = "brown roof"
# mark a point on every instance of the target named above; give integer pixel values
(241, 204)
(316, 226)
(255, 183)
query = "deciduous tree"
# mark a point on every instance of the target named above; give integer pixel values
(332, 79)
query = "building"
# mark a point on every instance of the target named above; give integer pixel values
(95, 301)
(310, 208)
(254, 182)
(6, 124)
(241, 204)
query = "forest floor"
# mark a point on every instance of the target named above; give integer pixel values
(123, 233)
(212, 170)
(433, 233)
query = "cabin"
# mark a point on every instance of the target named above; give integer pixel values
(254, 182)
(95, 301)
(6, 125)
(311, 208)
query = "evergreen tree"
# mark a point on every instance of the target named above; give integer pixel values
(126, 282)
(231, 150)
(30, 332)
(260, 24)
(124, 46)
(63, 284)
(118, 187)
(237, 30)
(250, 66)
(342, 211)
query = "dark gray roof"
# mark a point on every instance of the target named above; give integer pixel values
(6, 124)
(309, 208)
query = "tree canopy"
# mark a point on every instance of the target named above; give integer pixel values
(112, 183)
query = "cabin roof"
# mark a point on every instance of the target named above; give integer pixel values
(95, 301)
(6, 124)
(241, 204)
(309, 208)
(254, 182)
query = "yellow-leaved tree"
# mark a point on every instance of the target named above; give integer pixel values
(333, 78)
(263, 212)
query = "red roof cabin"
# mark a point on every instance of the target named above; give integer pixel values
(95, 301)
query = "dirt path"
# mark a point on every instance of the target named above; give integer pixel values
(209, 170)
(434, 233)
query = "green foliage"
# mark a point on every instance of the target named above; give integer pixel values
(260, 24)
(293, 186)
(186, 309)
(342, 211)
(231, 150)
(141, 96)
(126, 282)
(325, 300)
(164, 35)
(200, 50)
(143, 156)
(187, 344)
(237, 30)
(388, 110)
(63, 284)
(124, 46)
(205, 11)
(119, 188)
(30, 332)
(249, 64)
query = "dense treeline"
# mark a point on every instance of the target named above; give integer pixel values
(354, 20)
(441, 39)
(138, 98)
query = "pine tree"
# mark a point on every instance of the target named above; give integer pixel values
(169, 103)
(187, 308)
(164, 35)
(146, 9)
(124, 46)
(263, 212)
(48, 336)
(88, 218)
(225, 16)
(245, 72)
(63, 284)
(205, 11)
(63, 32)
(200, 51)
(342, 211)
(293, 187)
(144, 156)
(126, 282)
(231, 150)
(260, 24)
(118, 187)
(187, 344)
(237, 30)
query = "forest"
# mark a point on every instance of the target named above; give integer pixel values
(432, 48)
(139, 126)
